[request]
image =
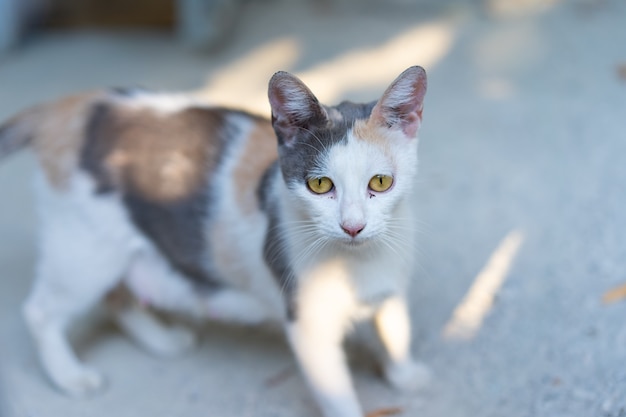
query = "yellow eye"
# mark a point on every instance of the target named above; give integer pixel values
(320, 185)
(380, 183)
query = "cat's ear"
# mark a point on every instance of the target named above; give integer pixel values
(294, 107)
(401, 105)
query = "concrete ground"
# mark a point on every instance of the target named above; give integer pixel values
(522, 192)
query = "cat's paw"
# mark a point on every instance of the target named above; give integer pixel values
(171, 341)
(81, 382)
(409, 376)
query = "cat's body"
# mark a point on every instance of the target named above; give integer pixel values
(194, 209)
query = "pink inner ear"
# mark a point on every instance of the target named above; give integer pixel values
(409, 115)
(407, 119)
(411, 123)
(401, 104)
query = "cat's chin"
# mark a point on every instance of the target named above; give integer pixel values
(354, 243)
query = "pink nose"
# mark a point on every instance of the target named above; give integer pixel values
(353, 229)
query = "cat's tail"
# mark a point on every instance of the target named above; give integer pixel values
(14, 134)
(42, 122)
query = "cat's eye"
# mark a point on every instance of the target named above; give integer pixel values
(380, 183)
(320, 185)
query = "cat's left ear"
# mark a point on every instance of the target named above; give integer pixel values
(402, 103)
(294, 107)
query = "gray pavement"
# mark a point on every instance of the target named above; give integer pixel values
(524, 132)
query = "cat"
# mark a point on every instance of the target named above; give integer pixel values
(305, 220)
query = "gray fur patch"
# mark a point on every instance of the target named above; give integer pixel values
(13, 137)
(129, 151)
(309, 146)
(274, 246)
(298, 158)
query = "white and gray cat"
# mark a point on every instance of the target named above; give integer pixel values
(193, 208)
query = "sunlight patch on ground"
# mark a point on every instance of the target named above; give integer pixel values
(497, 88)
(516, 8)
(469, 315)
(377, 67)
(243, 83)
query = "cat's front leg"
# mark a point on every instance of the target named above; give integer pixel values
(317, 345)
(394, 329)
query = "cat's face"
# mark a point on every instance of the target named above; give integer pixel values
(348, 167)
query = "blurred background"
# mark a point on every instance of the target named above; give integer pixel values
(518, 299)
(201, 24)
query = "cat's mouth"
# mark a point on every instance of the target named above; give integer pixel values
(354, 242)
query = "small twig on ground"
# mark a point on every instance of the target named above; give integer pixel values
(279, 378)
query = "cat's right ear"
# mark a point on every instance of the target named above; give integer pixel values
(294, 107)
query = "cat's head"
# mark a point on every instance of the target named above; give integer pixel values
(348, 167)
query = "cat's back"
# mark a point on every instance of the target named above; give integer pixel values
(187, 171)
(165, 147)
(160, 145)
(176, 165)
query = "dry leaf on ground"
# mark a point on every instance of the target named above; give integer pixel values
(382, 412)
(621, 71)
(615, 294)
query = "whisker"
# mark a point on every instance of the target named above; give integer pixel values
(324, 147)
(311, 250)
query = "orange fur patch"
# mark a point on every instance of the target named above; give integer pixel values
(367, 130)
(164, 158)
(371, 132)
(59, 134)
(259, 153)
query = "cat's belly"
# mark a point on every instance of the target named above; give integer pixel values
(154, 282)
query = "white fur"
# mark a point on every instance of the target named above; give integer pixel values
(85, 247)
(163, 103)
(316, 335)
(394, 328)
(341, 279)
(89, 246)
(243, 233)
(146, 330)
